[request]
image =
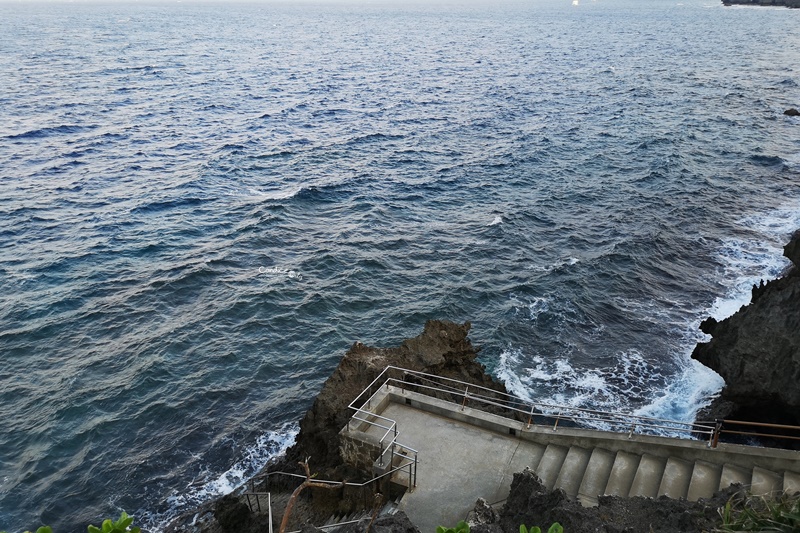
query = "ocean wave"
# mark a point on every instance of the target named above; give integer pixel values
(167, 205)
(766, 160)
(759, 256)
(209, 486)
(632, 385)
(64, 129)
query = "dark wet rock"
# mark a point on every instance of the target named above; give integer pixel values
(708, 325)
(232, 515)
(792, 250)
(757, 352)
(530, 503)
(396, 523)
(483, 514)
(792, 112)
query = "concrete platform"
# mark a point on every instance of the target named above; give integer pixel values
(445, 491)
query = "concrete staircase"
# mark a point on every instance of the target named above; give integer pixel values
(586, 473)
(336, 522)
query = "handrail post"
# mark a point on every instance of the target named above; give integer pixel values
(633, 428)
(464, 403)
(715, 434)
(415, 469)
(269, 503)
(530, 418)
(555, 426)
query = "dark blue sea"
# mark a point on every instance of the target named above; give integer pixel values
(204, 205)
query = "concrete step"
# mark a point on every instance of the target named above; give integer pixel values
(733, 474)
(676, 479)
(705, 480)
(596, 476)
(648, 476)
(535, 457)
(791, 482)
(550, 465)
(571, 473)
(765, 482)
(622, 473)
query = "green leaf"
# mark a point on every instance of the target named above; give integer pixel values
(523, 529)
(123, 522)
(440, 529)
(535, 529)
(45, 529)
(108, 525)
(94, 529)
(135, 529)
(555, 527)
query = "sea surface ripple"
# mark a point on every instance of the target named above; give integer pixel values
(203, 205)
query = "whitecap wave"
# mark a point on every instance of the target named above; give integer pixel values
(747, 261)
(620, 388)
(283, 194)
(267, 446)
(568, 261)
(497, 220)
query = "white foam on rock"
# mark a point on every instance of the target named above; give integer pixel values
(267, 446)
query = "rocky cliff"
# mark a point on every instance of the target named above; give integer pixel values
(757, 352)
(442, 348)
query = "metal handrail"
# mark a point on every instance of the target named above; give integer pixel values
(719, 429)
(336, 524)
(627, 423)
(543, 407)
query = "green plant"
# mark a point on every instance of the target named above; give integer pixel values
(755, 513)
(461, 527)
(555, 527)
(120, 526)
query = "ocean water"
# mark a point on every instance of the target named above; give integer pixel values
(205, 204)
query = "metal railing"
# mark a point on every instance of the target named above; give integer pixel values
(365, 484)
(257, 496)
(365, 416)
(531, 413)
(761, 430)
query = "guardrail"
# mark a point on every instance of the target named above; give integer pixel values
(526, 411)
(761, 430)
(366, 416)
(265, 476)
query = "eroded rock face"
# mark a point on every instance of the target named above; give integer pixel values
(443, 348)
(530, 503)
(757, 352)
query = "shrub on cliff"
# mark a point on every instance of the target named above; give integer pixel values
(756, 513)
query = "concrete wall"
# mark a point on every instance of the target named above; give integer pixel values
(359, 450)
